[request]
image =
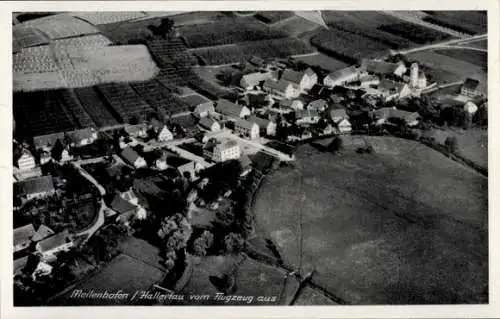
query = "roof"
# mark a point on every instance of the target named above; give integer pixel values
(255, 60)
(226, 144)
(245, 161)
(391, 85)
(228, 108)
(379, 67)
(156, 124)
(292, 76)
(194, 100)
(24, 233)
(256, 77)
(49, 139)
(245, 124)
(134, 129)
(129, 154)
(318, 103)
(338, 113)
(187, 167)
(42, 232)
(279, 86)
(309, 72)
(470, 84)
(389, 112)
(53, 242)
(342, 73)
(18, 153)
(306, 113)
(262, 122)
(79, 135)
(35, 185)
(366, 78)
(207, 122)
(120, 205)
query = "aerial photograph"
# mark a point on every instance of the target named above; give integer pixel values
(262, 158)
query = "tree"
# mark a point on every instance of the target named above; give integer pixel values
(336, 145)
(202, 243)
(451, 144)
(234, 242)
(57, 150)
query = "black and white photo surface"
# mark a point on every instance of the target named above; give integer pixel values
(250, 158)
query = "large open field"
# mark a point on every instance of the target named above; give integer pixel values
(323, 61)
(405, 225)
(477, 58)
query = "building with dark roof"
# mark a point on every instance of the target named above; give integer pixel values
(266, 126)
(199, 105)
(247, 128)
(50, 246)
(341, 77)
(281, 88)
(37, 187)
(132, 158)
(25, 235)
(46, 142)
(82, 137)
(304, 80)
(470, 88)
(230, 109)
(383, 68)
(126, 210)
(210, 124)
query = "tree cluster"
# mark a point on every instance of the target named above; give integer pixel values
(174, 232)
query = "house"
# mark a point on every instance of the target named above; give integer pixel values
(50, 246)
(266, 126)
(131, 157)
(220, 151)
(390, 90)
(82, 137)
(341, 77)
(251, 80)
(246, 165)
(256, 61)
(337, 115)
(209, 124)
(42, 269)
(26, 161)
(161, 131)
(306, 117)
(45, 157)
(125, 210)
(383, 68)
(281, 88)
(470, 88)
(200, 105)
(344, 126)
(25, 235)
(293, 104)
(37, 187)
(317, 105)
(192, 196)
(65, 155)
(46, 142)
(230, 109)
(304, 80)
(190, 167)
(138, 130)
(246, 128)
(369, 80)
(384, 115)
(130, 197)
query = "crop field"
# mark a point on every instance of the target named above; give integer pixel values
(470, 22)
(273, 16)
(37, 59)
(26, 36)
(227, 31)
(43, 112)
(446, 69)
(482, 44)
(311, 296)
(373, 229)
(84, 41)
(366, 23)
(323, 61)
(75, 108)
(106, 17)
(197, 17)
(295, 26)
(142, 250)
(415, 33)
(63, 26)
(124, 32)
(348, 45)
(125, 101)
(95, 107)
(160, 98)
(275, 48)
(473, 57)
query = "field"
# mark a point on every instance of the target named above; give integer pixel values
(125, 101)
(415, 33)
(348, 45)
(124, 32)
(453, 69)
(473, 57)
(472, 143)
(227, 31)
(75, 108)
(142, 250)
(273, 16)
(482, 44)
(295, 26)
(160, 98)
(276, 48)
(323, 61)
(61, 26)
(95, 107)
(373, 229)
(106, 17)
(310, 296)
(471, 22)
(26, 36)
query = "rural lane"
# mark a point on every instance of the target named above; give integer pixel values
(445, 44)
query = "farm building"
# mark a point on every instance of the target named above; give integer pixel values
(470, 107)
(383, 68)
(37, 187)
(304, 80)
(281, 88)
(210, 124)
(52, 245)
(247, 128)
(46, 142)
(369, 80)
(230, 109)
(293, 104)
(251, 80)
(25, 161)
(341, 77)
(124, 209)
(131, 157)
(161, 131)
(393, 90)
(138, 130)
(25, 235)
(220, 151)
(306, 117)
(317, 105)
(387, 114)
(470, 88)
(200, 105)
(337, 115)
(82, 137)
(266, 126)
(190, 167)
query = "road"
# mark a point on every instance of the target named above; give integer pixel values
(152, 145)
(445, 44)
(439, 87)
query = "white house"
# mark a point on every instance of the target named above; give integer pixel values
(247, 128)
(341, 77)
(384, 114)
(132, 158)
(281, 88)
(369, 80)
(266, 126)
(138, 130)
(304, 80)
(26, 161)
(383, 68)
(317, 105)
(200, 105)
(164, 134)
(210, 124)
(221, 151)
(344, 126)
(390, 90)
(65, 155)
(50, 246)
(251, 80)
